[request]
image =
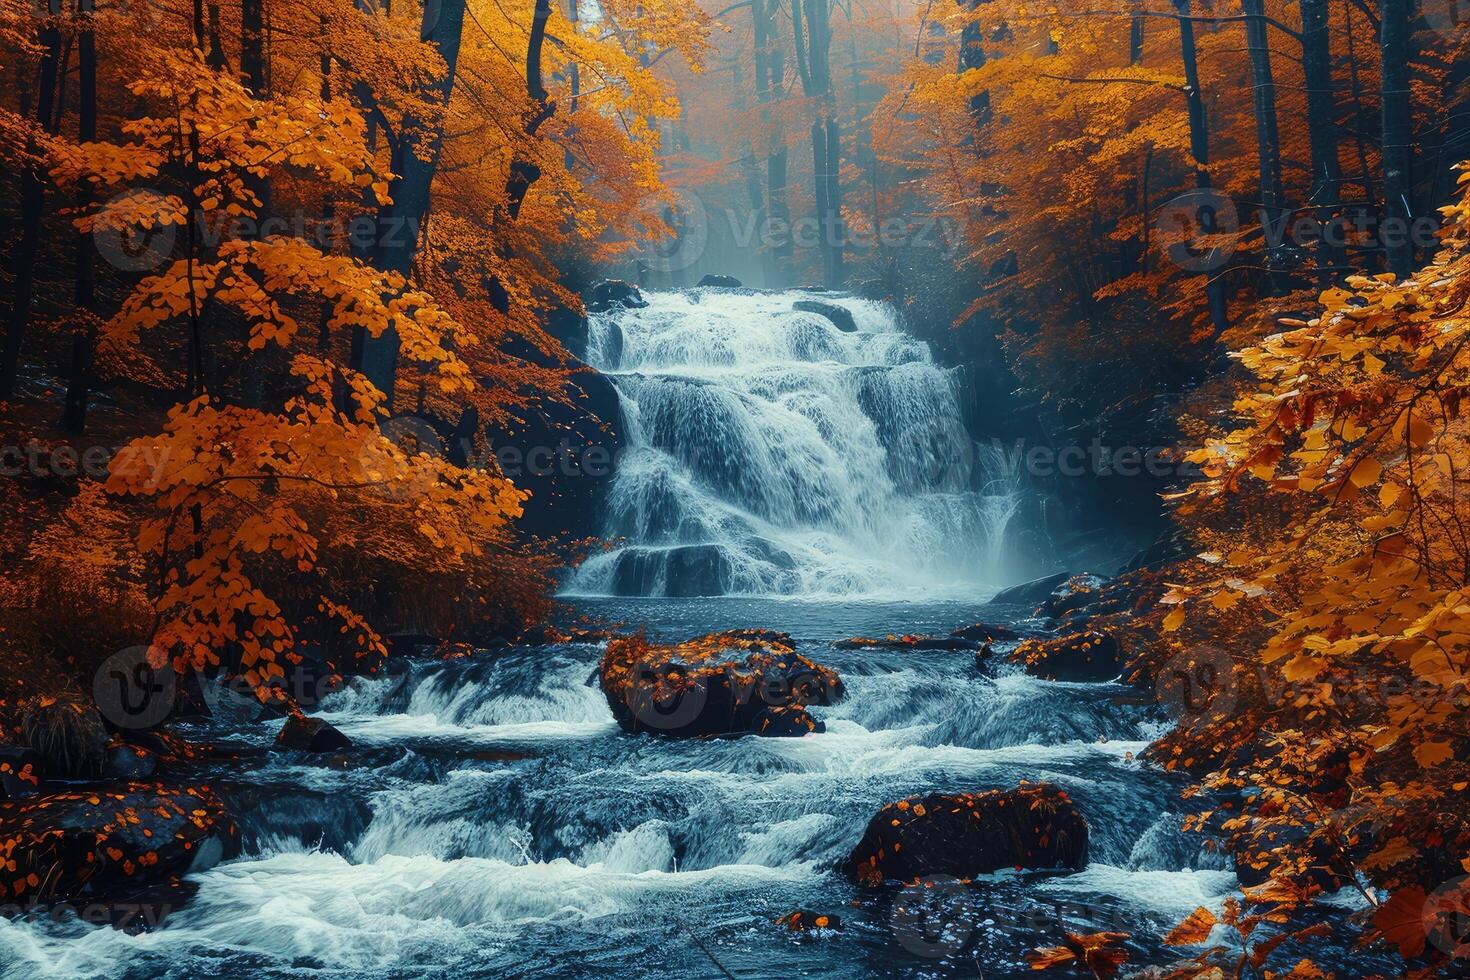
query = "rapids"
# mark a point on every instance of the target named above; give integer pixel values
(492, 820)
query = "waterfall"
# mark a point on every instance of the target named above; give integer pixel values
(771, 453)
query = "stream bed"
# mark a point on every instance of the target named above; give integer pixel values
(493, 821)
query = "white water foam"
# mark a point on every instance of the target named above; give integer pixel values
(771, 453)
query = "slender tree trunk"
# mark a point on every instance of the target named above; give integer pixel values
(1199, 149)
(1397, 128)
(329, 207)
(776, 161)
(1268, 138)
(1363, 120)
(1322, 137)
(74, 417)
(32, 203)
(400, 224)
(253, 74)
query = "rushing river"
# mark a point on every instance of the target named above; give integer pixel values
(492, 820)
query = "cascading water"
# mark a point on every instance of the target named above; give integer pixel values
(772, 453)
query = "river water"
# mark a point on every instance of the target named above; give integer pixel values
(493, 821)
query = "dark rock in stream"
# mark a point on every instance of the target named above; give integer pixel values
(840, 316)
(611, 294)
(1073, 594)
(722, 282)
(103, 847)
(1088, 657)
(1030, 593)
(968, 834)
(744, 682)
(311, 735)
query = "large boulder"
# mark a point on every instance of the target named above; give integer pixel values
(98, 846)
(840, 316)
(1088, 656)
(612, 294)
(735, 683)
(721, 282)
(67, 733)
(963, 835)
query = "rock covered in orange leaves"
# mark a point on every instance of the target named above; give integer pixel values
(734, 683)
(1086, 656)
(967, 834)
(97, 846)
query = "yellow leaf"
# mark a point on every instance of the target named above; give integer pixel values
(1366, 473)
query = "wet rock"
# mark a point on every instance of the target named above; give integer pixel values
(564, 453)
(99, 846)
(805, 920)
(1030, 593)
(723, 282)
(311, 735)
(985, 633)
(985, 659)
(735, 683)
(968, 834)
(67, 733)
(614, 294)
(1088, 656)
(840, 316)
(410, 644)
(129, 763)
(1073, 594)
(906, 643)
(20, 773)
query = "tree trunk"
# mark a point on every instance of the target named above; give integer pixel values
(1268, 139)
(1397, 128)
(399, 224)
(32, 203)
(1322, 137)
(1199, 149)
(252, 73)
(74, 417)
(776, 160)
